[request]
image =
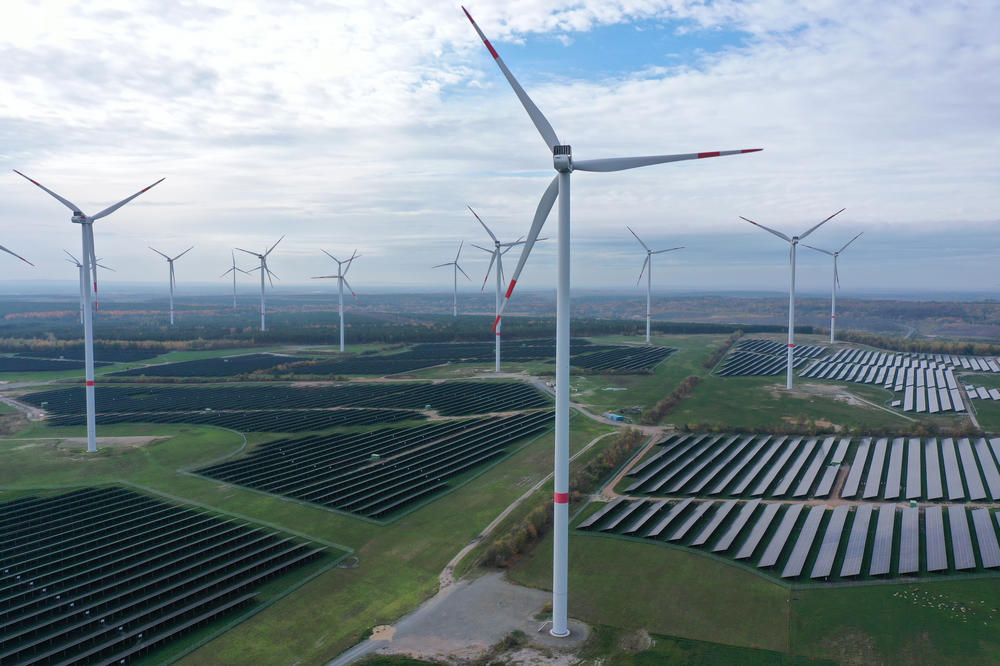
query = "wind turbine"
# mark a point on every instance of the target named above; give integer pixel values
(341, 281)
(263, 270)
(499, 249)
(836, 281)
(234, 270)
(649, 274)
(89, 263)
(83, 280)
(454, 306)
(792, 241)
(564, 165)
(173, 281)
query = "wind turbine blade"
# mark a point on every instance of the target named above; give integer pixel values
(350, 261)
(183, 253)
(66, 202)
(622, 163)
(482, 223)
(836, 275)
(541, 214)
(543, 126)
(111, 209)
(637, 238)
(463, 272)
(457, 254)
(484, 249)
(242, 271)
(158, 252)
(107, 268)
(173, 282)
(776, 233)
(16, 255)
(256, 254)
(75, 260)
(822, 223)
(819, 249)
(324, 277)
(348, 285)
(228, 272)
(442, 265)
(849, 242)
(644, 264)
(667, 250)
(275, 245)
(488, 269)
(270, 275)
(329, 255)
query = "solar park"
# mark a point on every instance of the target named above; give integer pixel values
(764, 358)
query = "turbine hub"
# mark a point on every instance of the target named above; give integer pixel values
(79, 218)
(562, 158)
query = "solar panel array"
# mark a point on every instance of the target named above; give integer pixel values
(802, 543)
(740, 466)
(982, 393)
(106, 576)
(927, 381)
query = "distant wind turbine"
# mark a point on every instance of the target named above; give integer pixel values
(836, 282)
(792, 241)
(649, 274)
(83, 280)
(89, 260)
(564, 164)
(341, 277)
(454, 306)
(499, 249)
(263, 270)
(235, 269)
(173, 280)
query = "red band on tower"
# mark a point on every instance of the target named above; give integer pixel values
(561, 498)
(90, 382)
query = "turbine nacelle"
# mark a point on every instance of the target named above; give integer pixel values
(562, 158)
(80, 218)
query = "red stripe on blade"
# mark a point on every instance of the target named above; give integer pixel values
(510, 289)
(561, 498)
(712, 154)
(751, 150)
(496, 323)
(493, 51)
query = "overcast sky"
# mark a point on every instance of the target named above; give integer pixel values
(371, 125)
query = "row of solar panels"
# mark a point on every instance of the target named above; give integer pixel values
(741, 363)
(982, 393)
(907, 359)
(104, 576)
(926, 390)
(934, 469)
(779, 348)
(812, 542)
(741, 465)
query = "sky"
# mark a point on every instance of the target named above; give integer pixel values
(372, 125)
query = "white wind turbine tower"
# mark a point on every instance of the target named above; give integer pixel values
(341, 277)
(89, 260)
(263, 270)
(454, 305)
(649, 274)
(564, 165)
(499, 249)
(173, 281)
(836, 282)
(793, 241)
(83, 280)
(235, 269)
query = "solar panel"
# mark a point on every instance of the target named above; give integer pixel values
(952, 476)
(908, 398)
(757, 533)
(874, 482)
(741, 519)
(797, 558)
(675, 453)
(667, 519)
(694, 470)
(695, 516)
(713, 524)
(892, 479)
(989, 467)
(913, 469)
(719, 466)
(831, 542)
(944, 398)
(795, 468)
(738, 467)
(755, 470)
(644, 518)
(909, 541)
(933, 467)
(612, 506)
(681, 463)
(989, 550)
(973, 480)
(814, 467)
(850, 488)
(855, 554)
(776, 466)
(882, 548)
(961, 540)
(629, 510)
(937, 558)
(780, 537)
